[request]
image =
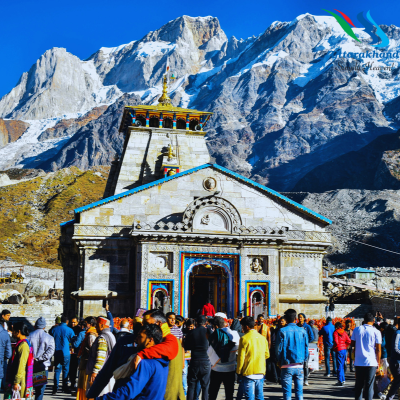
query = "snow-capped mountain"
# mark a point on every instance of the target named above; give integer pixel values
(284, 102)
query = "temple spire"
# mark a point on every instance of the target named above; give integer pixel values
(164, 99)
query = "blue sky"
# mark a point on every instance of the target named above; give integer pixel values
(28, 28)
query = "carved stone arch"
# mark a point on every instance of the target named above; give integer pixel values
(212, 213)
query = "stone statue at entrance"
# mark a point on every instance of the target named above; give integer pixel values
(256, 265)
(158, 301)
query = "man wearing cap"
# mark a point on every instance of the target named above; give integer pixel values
(63, 336)
(43, 349)
(99, 353)
(327, 334)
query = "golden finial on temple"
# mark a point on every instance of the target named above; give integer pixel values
(164, 99)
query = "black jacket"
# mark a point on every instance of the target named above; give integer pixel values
(196, 341)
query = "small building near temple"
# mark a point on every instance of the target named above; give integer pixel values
(174, 230)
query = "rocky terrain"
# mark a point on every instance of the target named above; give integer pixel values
(11, 130)
(32, 209)
(96, 143)
(375, 166)
(284, 101)
(68, 127)
(371, 217)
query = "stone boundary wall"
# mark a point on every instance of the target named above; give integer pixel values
(31, 312)
(352, 310)
(385, 306)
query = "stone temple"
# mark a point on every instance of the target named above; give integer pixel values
(174, 230)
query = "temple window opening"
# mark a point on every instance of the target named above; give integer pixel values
(167, 123)
(193, 123)
(154, 122)
(180, 123)
(141, 119)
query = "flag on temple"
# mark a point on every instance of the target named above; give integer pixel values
(167, 65)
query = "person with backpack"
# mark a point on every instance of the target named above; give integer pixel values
(43, 349)
(224, 344)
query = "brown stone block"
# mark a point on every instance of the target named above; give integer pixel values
(127, 219)
(152, 209)
(106, 211)
(105, 220)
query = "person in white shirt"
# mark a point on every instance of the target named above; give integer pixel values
(367, 342)
(224, 344)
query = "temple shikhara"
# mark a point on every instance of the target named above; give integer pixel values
(173, 231)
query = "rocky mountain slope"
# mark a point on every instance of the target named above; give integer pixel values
(284, 101)
(11, 130)
(96, 143)
(58, 83)
(376, 166)
(68, 127)
(368, 216)
(32, 209)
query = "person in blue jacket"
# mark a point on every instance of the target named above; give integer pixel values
(149, 381)
(291, 350)
(5, 352)
(303, 324)
(63, 337)
(327, 335)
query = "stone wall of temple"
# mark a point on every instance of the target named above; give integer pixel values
(169, 200)
(142, 159)
(114, 259)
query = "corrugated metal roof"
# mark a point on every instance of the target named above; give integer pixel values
(191, 171)
(351, 270)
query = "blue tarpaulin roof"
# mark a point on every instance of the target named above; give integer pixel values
(352, 270)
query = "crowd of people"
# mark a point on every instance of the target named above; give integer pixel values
(170, 357)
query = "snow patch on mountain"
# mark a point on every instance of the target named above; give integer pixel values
(27, 150)
(112, 50)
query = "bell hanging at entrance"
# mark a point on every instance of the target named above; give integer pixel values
(208, 266)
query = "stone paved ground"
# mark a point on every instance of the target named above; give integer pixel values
(320, 388)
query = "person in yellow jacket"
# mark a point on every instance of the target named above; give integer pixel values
(252, 353)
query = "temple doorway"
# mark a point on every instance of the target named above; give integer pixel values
(207, 282)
